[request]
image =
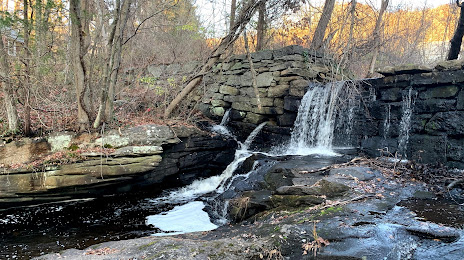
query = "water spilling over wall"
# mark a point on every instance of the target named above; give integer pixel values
(414, 112)
(313, 131)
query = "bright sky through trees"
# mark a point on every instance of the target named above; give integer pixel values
(212, 13)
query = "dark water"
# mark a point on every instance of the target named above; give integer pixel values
(442, 211)
(33, 231)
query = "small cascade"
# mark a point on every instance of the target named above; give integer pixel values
(222, 127)
(190, 216)
(212, 184)
(387, 122)
(314, 126)
(405, 124)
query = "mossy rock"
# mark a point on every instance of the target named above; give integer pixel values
(295, 201)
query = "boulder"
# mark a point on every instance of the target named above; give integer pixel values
(321, 188)
(295, 201)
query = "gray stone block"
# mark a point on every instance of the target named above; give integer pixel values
(228, 90)
(451, 123)
(439, 92)
(278, 91)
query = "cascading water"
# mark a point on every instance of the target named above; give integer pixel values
(387, 122)
(187, 195)
(405, 124)
(222, 127)
(314, 126)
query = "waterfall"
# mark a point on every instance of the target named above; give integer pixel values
(190, 216)
(222, 127)
(214, 183)
(314, 126)
(405, 124)
(386, 123)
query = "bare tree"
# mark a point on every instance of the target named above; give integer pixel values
(261, 27)
(246, 12)
(319, 34)
(114, 49)
(456, 41)
(79, 23)
(233, 10)
(377, 37)
(7, 87)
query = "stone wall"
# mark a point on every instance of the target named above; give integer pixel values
(282, 77)
(436, 130)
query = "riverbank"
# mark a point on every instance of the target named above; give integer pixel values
(67, 166)
(370, 220)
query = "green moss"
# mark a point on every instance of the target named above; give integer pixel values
(108, 146)
(147, 245)
(73, 147)
(330, 210)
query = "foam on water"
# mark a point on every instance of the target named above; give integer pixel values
(222, 127)
(182, 219)
(214, 183)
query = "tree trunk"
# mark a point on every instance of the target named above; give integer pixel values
(456, 41)
(233, 10)
(319, 34)
(117, 49)
(261, 27)
(120, 17)
(252, 70)
(8, 93)
(77, 59)
(27, 70)
(244, 17)
(377, 38)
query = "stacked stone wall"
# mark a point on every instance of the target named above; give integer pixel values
(436, 132)
(282, 77)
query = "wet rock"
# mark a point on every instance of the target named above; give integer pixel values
(439, 92)
(292, 103)
(321, 188)
(295, 201)
(249, 204)
(278, 178)
(451, 122)
(359, 173)
(434, 233)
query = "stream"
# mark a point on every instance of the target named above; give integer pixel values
(203, 205)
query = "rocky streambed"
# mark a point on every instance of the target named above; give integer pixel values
(312, 207)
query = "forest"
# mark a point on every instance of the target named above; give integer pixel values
(82, 65)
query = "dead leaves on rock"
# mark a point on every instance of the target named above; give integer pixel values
(101, 251)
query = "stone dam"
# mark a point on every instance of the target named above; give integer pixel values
(413, 112)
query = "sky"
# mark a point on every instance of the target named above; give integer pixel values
(212, 12)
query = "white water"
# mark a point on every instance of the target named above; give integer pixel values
(314, 126)
(182, 219)
(405, 124)
(214, 183)
(386, 123)
(222, 127)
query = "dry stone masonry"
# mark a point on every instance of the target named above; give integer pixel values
(413, 111)
(282, 78)
(436, 127)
